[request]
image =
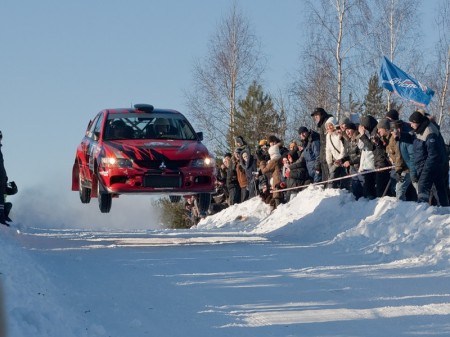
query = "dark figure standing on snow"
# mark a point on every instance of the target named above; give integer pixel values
(248, 163)
(234, 191)
(430, 158)
(320, 116)
(3, 184)
(311, 152)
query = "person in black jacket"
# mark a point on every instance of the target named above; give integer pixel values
(262, 151)
(352, 159)
(297, 174)
(234, 190)
(311, 152)
(430, 158)
(320, 117)
(3, 185)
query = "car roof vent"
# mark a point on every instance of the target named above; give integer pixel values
(144, 107)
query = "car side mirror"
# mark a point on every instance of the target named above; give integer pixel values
(200, 136)
(96, 135)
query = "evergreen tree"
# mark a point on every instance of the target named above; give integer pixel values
(257, 118)
(374, 103)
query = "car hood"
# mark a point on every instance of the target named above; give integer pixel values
(156, 149)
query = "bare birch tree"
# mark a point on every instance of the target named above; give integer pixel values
(314, 86)
(223, 76)
(442, 71)
(338, 28)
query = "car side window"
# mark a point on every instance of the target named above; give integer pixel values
(91, 129)
(97, 127)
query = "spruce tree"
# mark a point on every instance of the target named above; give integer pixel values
(257, 118)
(374, 103)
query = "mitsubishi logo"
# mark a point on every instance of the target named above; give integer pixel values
(163, 166)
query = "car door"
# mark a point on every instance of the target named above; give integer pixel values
(89, 143)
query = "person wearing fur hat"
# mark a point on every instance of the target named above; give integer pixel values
(320, 116)
(334, 153)
(430, 158)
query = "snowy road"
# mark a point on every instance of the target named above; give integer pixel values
(203, 284)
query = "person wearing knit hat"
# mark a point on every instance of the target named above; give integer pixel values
(302, 129)
(330, 120)
(263, 142)
(431, 159)
(392, 115)
(351, 126)
(381, 159)
(384, 124)
(274, 152)
(343, 125)
(417, 117)
(261, 150)
(318, 111)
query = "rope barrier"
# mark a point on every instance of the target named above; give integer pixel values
(335, 179)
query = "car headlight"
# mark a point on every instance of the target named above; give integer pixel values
(204, 162)
(111, 162)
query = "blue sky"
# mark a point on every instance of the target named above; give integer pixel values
(63, 61)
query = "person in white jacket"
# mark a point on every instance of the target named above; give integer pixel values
(335, 152)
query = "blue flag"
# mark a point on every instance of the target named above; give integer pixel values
(396, 80)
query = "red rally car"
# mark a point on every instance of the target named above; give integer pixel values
(142, 150)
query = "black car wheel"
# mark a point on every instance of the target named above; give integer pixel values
(104, 199)
(85, 193)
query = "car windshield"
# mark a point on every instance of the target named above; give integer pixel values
(156, 126)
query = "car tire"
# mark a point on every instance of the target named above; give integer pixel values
(174, 198)
(204, 201)
(104, 199)
(85, 193)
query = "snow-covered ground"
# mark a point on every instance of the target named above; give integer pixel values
(321, 265)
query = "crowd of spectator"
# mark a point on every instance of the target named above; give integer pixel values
(371, 158)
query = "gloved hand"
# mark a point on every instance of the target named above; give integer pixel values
(11, 188)
(400, 178)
